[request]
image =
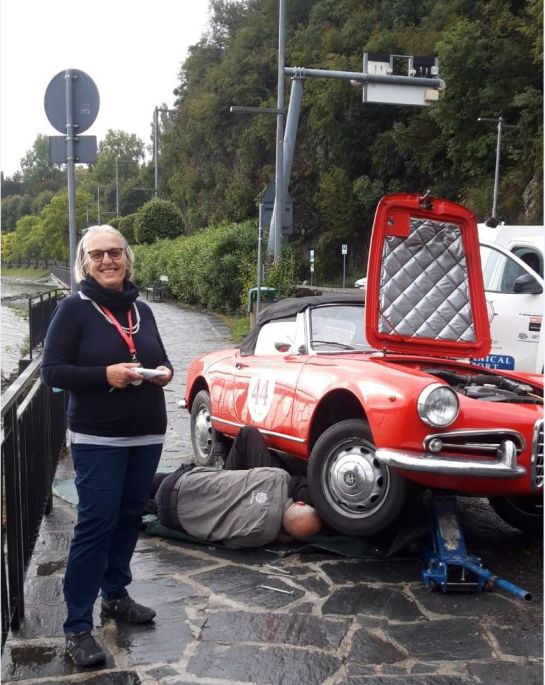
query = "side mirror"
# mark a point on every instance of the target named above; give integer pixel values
(527, 284)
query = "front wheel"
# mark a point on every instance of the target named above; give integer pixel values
(203, 435)
(524, 512)
(352, 490)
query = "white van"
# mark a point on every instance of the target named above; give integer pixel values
(527, 242)
(512, 262)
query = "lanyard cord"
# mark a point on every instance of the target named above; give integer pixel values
(127, 336)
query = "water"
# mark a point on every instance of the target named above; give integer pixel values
(14, 327)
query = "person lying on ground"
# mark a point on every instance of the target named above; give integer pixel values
(249, 451)
(239, 507)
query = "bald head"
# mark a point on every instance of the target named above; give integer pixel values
(301, 521)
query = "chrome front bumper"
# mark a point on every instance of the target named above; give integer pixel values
(503, 465)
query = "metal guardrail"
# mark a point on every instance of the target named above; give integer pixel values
(33, 434)
(40, 309)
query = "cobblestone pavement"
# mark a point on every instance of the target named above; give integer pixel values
(330, 621)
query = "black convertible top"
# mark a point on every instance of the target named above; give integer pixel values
(292, 306)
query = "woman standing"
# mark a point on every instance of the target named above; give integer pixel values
(97, 339)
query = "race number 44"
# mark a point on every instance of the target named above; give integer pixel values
(260, 397)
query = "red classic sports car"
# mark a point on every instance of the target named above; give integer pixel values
(378, 393)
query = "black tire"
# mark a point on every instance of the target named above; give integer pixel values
(354, 493)
(203, 435)
(524, 512)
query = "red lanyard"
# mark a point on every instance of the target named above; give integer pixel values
(127, 337)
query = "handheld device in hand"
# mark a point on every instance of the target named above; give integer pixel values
(150, 373)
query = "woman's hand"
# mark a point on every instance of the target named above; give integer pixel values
(162, 380)
(120, 375)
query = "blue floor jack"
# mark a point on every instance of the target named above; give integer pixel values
(450, 567)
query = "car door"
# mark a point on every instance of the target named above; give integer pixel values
(515, 301)
(265, 382)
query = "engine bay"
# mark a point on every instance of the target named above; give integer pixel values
(489, 387)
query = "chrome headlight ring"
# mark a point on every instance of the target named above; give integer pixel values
(438, 405)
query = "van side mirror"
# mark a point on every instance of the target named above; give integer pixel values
(527, 284)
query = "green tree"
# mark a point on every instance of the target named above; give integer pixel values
(28, 239)
(158, 219)
(37, 173)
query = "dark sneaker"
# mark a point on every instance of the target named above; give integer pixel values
(83, 649)
(127, 610)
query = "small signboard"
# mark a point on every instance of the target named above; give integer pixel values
(344, 249)
(312, 256)
(85, 149)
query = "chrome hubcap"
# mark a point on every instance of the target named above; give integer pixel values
(355, 482)
(203, 434)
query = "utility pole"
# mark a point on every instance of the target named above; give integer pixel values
(279, 178)
(156, 144)
(501, 126)
(117, 187)
(156, 148)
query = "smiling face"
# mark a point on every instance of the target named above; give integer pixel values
(108, 272)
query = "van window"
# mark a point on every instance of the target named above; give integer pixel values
(499, 271)
(531, 257)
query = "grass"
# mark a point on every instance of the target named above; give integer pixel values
(31, 274)
(239, 326)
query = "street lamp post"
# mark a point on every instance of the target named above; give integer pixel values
(118, 161)
(156, 144)
(501, 126)
(98, 201)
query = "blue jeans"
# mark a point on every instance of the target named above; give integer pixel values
(113, 484)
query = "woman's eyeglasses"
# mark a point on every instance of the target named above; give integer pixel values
(115, 253)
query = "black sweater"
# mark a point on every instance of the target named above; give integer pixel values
(79, 345)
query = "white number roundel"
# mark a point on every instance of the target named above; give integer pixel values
(260, 397)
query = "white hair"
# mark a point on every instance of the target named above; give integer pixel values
(82, 258)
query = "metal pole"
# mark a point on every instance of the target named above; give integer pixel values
(292, 122)
(70, 173)
(497, 171)
(259, 239)
(156, 149)
(117, 187)
(98, 205)
(344, 268)
(279, 184)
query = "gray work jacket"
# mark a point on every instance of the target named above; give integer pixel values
(238, 508)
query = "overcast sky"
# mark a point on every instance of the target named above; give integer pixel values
(132, 50)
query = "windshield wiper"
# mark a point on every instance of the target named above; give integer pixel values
(332, 342)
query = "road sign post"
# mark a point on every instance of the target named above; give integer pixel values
(311, 257)
(344, 250)
(71, 105)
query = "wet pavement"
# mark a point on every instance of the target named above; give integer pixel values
(322, 619)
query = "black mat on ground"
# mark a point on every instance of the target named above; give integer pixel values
(382, 546)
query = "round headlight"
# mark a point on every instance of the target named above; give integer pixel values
(438, 405)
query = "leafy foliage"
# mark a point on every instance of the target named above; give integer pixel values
(214, 164)
(157, 219)
(211, 268)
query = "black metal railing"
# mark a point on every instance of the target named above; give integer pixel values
(40, 308)
(33, 435)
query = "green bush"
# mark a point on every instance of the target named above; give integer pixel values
(213, 269)
(158, 219)
(126, 226)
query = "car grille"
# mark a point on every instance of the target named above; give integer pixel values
(537, 455)
(485, 442)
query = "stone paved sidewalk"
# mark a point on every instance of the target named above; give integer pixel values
(329, 620)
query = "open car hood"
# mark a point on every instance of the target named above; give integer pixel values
(425, 291)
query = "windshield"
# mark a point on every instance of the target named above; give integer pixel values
(338, 328)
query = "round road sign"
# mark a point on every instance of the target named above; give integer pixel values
(85, 100)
